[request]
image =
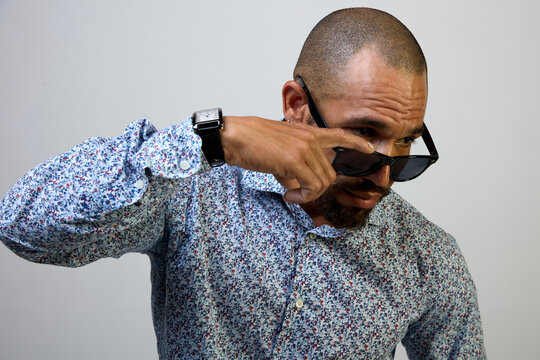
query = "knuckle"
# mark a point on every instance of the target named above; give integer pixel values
(304, 149)
(310, 136)
(317, 184)
(340, 133)
(305, 133)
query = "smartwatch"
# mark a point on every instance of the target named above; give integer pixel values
(207, 124)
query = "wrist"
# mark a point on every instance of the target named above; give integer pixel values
(227, 136)
(208, 125)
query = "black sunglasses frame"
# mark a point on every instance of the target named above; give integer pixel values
(383, 159)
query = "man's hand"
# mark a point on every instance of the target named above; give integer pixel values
(296, 154)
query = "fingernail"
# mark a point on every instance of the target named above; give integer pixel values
(371, 147)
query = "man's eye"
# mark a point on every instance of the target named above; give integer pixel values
(409, 140)
(364, 132)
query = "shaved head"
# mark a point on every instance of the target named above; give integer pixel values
(340, 35)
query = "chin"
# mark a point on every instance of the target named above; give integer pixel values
(342, 216)
(348, 204)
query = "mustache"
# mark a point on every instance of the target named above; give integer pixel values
(366, 186)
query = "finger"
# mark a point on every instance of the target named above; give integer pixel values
(298, 196)
(308, 151)
(313, 171)
(330, 138)
(313, 183)
(310, 186)
(324, 169)
(320, 166)
(309, 180)
(309, 190)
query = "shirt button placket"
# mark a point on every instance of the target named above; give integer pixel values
(298, 299)
(295, 306)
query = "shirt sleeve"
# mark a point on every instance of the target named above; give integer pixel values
(103, 198)
(451, 327)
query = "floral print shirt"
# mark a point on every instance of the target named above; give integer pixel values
(237, 273)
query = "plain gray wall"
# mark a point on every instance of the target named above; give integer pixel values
(70, 70)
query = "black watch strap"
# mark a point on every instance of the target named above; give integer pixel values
(207, 124)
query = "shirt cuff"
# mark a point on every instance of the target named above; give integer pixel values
(175, 152)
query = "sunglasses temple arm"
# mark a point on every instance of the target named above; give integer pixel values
(429, 142)
(311, 104)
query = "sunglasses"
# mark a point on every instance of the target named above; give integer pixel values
(355, 163)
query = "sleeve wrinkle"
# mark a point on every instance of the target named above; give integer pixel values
(80, 206)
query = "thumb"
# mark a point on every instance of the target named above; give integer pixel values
(299, 196)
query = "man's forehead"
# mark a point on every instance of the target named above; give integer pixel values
(367, 69)
(380, 106)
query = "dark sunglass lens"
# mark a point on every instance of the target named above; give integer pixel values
(405, 169)
(354, 163)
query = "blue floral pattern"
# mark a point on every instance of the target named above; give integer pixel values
(237, 273)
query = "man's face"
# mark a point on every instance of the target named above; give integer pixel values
(386, 107)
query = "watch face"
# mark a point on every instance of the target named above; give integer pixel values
(207, 115)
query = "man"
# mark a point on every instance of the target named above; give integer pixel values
(296, 247)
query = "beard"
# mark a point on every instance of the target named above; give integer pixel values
(347, 217)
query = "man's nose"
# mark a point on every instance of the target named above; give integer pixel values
(381, 177)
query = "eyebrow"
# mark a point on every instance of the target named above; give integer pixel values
(377, 124)
(419, 130)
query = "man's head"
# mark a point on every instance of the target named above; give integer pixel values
(367, 74)
(337, 37)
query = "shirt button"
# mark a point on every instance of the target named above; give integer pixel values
(299, 303)
(184, 165)
(139, 184)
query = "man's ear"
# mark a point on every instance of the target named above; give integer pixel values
(295, 104)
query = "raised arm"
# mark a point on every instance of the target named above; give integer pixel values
(106, 197)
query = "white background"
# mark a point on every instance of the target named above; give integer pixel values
(70, 70)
